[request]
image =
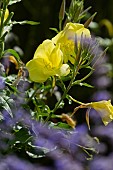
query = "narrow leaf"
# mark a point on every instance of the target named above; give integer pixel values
(62, 11)
(89, 20)
(5, 105)
(86, 84)
(25, 22)
(13, 2)
(8, 18)
(54, 29)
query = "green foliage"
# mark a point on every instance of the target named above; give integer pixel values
(13, 1)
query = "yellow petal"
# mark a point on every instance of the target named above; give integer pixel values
(83, 31)
(47, 62)
(105, 110)
(75, 26)
(58, 37)
(64, 70)
(66, 39)
(44, 49)
(37, 71)
(56, 57)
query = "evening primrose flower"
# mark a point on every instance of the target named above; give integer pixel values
(105, 110)
(66, 39)
(47, 61)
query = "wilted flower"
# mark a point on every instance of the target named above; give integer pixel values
(68, 119)
(66, 39)
(105, 110)
(47, 61)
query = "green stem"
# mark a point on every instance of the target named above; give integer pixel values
(34, 93)
(76, 101)
(60, 24)
(84, 78)
(1, 28)
(66, 91)
(75, 72)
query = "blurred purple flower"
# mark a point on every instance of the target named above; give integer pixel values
(104, 131)
(2, 70)
(23, 85)
(13, 163)
(19, 99)
(102, 163)
(101, 95)
(2, 83)
(102, 81)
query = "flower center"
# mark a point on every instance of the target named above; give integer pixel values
(68, 50)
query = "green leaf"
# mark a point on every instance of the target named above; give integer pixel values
(54, 29)
(13, 2)
(62, 126)
(12, 87)
(86, 24)
(38, 151)
(62, 10)
(86, 84)
(5, 105)
(22, 135)
(25, 22)
(8, 18)
(1, 116)
(14, 53)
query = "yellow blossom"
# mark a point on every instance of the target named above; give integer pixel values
(47, 61)
(66, 39)
(105, 110)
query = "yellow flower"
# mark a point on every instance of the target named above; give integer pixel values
(66, 39)
(47, 61)
(6, 15)
(105, 110)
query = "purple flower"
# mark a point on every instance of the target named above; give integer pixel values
(102, 81)
(2, 83)
(14, 163)
(101, 95)
(102, 163)
(23, 85)
(104, 131)
(2, 70)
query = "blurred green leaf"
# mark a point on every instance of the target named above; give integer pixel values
(8, 18)
(13, 2)
(75, 10)
(22, 135)
(14, 53)
(54, 29)
(62, 10)
(86, 84)
(25, 22)
(62, 126)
